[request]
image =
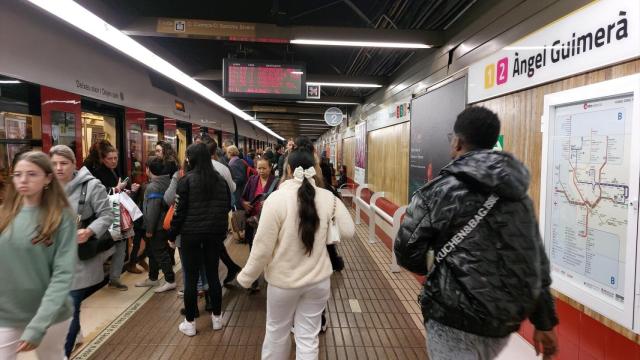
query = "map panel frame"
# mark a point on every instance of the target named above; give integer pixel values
(617, 301)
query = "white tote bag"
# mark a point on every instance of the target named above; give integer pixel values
(130, 205)
(333, 232)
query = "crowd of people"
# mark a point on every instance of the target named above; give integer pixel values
(472, 230)
(62, 219)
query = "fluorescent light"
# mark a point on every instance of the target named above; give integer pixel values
(297, 72)
(344, 84)
(360, 43)
(90, 23)
(268, 130)
(10, 82)
(326, 102)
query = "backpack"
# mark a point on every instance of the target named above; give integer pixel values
(250, 170)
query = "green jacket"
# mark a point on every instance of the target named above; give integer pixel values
(36, 279)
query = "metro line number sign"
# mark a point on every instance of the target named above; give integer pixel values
(490, 73)
(599, 34)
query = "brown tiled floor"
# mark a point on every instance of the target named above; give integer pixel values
(371, 315)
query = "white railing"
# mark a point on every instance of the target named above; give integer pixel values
(394, 221)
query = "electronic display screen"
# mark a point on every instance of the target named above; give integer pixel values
(263, 79)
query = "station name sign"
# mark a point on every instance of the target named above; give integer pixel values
(603, 33)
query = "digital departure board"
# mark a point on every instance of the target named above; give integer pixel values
(263, 79)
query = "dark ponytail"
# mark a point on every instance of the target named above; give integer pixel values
(309, 220)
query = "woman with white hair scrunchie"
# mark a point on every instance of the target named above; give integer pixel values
(290, 247)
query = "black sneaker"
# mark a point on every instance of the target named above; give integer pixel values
(231, 275)
(323, 327)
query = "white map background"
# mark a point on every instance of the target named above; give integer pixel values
(590, 194)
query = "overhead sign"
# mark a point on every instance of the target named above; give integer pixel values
(262, 79)
(599, 34)
(333, 116)
(313, 91)
(205, 27)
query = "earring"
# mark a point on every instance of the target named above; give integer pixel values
(46, 187)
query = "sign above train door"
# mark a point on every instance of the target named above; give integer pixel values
(602, 33)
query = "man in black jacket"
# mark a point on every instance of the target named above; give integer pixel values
(473, 229)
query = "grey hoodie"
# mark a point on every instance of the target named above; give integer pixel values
(154, 208)
(90, 272)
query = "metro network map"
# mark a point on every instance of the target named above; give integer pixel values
(589, 199)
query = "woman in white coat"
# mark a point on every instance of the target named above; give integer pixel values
(290, 247)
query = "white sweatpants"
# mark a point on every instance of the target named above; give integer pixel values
(51, 347)
(304, 307)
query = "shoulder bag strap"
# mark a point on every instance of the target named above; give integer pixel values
(83, 198)
(434, 259)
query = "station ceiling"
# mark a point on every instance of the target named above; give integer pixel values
(201, 57)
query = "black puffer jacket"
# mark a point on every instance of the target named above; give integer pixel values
(197, 212)
(499, 274)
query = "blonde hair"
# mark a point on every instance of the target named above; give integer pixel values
(64, 151)
(53, 204)
(233, 150)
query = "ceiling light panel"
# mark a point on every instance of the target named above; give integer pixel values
(378, 44)
(335, 84)
(85, 20)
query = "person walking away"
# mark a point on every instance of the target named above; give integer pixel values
(232, 268)
(238, 173)
(90, 202)
(201, 213)
(258, 188)
(153, 212)
(38, 252)
(290, 247)
(490, 270)
(102, 162)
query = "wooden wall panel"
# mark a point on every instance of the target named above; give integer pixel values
(348, 155)
(520, 114)
(388, 162)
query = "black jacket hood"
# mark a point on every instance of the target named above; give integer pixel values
(491, 171)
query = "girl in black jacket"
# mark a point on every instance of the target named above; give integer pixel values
(201, 213)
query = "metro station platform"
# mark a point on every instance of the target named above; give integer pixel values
(372, 314)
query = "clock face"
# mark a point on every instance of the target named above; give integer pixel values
(333, 116)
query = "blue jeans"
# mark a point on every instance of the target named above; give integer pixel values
(77, 296)
(117, 260)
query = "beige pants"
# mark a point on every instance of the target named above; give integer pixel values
(51, 347)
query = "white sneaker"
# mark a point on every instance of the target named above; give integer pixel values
(188, 328)
(165, 287)
(216, 322)
(147, 283)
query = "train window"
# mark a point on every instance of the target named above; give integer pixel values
(97, 127)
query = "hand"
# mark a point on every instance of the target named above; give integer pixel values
(84, 235)
(172, 244)
(546, 343)
(247, 206)
(121, 185)
(148, 235)
(135, 187)
(25, 346)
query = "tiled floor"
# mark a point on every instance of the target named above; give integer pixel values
(372, 315)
